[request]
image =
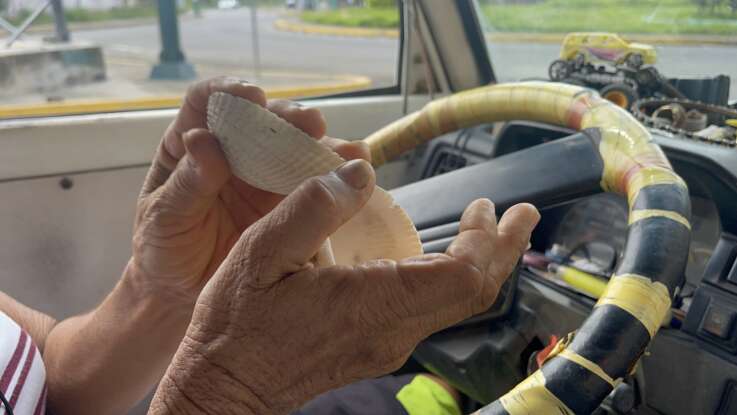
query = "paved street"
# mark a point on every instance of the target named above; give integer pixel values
(220, 43)
(222, 40)
(224, 37)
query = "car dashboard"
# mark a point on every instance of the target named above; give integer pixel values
(696, 346)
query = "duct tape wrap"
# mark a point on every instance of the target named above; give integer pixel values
(585, 368)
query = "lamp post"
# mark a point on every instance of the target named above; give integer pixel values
(60, 22)
(172, 63)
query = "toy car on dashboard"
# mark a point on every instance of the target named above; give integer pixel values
(606, 47)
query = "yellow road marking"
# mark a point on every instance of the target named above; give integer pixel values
(167, 101)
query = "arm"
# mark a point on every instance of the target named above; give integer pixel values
(190, 213)
(35, 323)
(104, 361)
(271, 330)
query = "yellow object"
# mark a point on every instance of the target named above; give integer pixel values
(495, 37)
(560, 346)
(530, 396)
(538, 101)
(617, 97)
(646, 300)
(632, 161)
(327, 30)
(87, 106)
(590, 284)
(561, 349)
(171, 101)
(424, 396)
(731, 122)
(649, 176)
(637, 215)
(588, 364)
(608, 47)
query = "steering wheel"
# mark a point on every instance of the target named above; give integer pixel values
(585, 366)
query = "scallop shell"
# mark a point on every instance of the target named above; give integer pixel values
(271, 154)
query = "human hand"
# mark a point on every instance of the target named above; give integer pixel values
(271, 330)
(191, 209)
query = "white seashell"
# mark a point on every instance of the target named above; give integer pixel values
(263, 149)
(271, 154)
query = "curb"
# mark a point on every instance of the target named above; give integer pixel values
(77, 107)
(500, 37)
(102, 24)
(313, 29)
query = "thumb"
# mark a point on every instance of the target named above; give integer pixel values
(198, 177)
(290, 235)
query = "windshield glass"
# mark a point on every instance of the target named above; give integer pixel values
(108, 55)
(680, 38)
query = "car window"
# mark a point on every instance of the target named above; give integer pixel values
(116, 58)
(690, 39)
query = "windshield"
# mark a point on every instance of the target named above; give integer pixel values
(75, 56)
(680, 38)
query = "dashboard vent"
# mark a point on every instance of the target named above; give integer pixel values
(438, 238)
(445, 161)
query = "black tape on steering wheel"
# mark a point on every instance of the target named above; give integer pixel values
(584, 367)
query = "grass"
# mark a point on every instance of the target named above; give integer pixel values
(355, 17)
(86, 15)
(621, 16)
(682, 17)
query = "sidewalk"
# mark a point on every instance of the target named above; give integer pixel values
(101, 24)
(293, 25)
(128, 87)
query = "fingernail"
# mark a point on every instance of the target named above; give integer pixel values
(355, 172)
(537, 219)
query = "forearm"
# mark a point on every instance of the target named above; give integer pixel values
(35, 323)
(105, 361)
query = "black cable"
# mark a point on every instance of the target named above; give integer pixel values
(8, 408)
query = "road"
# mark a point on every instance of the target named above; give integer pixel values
(221, 41)
(223, 38)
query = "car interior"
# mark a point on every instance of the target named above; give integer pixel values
(69, 185)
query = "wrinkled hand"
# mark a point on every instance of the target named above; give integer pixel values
(192, 209)
(270, 330)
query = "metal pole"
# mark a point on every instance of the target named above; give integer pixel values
(169, 29)
(7, 26)
(22, 28)
(408, 12)
(254, 42)
(172, 63)
(60, 21)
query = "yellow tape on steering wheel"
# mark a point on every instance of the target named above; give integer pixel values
(531, 396)
(646, 300)
(649, 176)
(640, 214)
(589, 365)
